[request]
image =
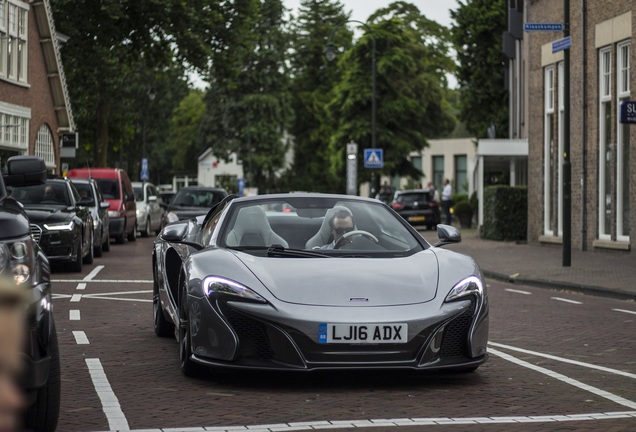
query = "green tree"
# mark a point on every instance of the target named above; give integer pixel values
(313, 81)
(248, 104)
(411, 103)
(477, 37)
(112, 40)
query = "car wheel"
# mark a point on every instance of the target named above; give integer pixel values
(106, 244)
(163, 327)
(132, 235)
(97, 250)
(121, 238)
(188, 367)
(146, 231)
(43, 414)
(88, 259)
(76, 266)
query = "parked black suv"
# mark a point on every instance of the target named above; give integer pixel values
(417, 207)
(22, 259)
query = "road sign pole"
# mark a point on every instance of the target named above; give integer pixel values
(567, 173)
(352, 168)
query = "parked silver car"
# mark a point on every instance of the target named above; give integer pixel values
(149, 209)
(99, 210)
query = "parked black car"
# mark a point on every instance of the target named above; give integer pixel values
(99, 211)
(61, 221)
(193, 201)
(28, 265)
(417, 207)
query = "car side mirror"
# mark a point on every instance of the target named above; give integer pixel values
(152, 198)
(25, 171)
(86, 202)
(177, 233)
(447, 234)
(104, 205)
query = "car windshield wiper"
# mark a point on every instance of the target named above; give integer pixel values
(280, 250)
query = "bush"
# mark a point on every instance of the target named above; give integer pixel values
(463, 207)
(505, 213)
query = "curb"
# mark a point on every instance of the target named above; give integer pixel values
(563, 286)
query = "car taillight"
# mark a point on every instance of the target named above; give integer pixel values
(433, 204)
(397, 206)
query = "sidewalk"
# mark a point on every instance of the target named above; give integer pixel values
(605, 273)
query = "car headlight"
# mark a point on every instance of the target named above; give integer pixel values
(469, 286)
(172, 217)
(17, 259)
(64, 226)
(215, 285)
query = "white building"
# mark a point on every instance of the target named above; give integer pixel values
(215, 172)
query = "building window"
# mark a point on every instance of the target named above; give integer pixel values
(605, 148)
(623, 154)
(549, 159)
(438, 171)
(44, 146)
(14, 132)
(14, 40)
(461, 174)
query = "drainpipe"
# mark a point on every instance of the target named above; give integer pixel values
(583, 130)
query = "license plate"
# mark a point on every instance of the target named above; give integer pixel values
(417, 218)
(362, 333)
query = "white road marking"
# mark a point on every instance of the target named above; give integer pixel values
(81, 338)
(76, 297)
(74, 315)
(601, 393)
(566, 300)
(110, 403)
(386, 423)
(93, 273)
(625, 311)
(518, 291)
(565, 360)
(81, 286)
(62, 296)
(126, 281)
(107, 296)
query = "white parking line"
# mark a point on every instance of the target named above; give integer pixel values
(110, 403)
(601, 393)
(80, 338)
(81, 286)
(566, 300)
(76, 297)
(126, 281)
(518, 291)
(93, 273)
(625, 311)
(74, 315)
(565, 360)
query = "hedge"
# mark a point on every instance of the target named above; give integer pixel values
(505, 213)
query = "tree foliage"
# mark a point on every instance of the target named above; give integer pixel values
(248, 103)
(477, 37)
(411, 91)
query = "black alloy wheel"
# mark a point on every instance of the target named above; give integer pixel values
(163, 327)
(188, 367)
(88, 259)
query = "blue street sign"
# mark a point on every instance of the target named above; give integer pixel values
(562, 44)
(145, 175)
(373, 158)
(628, 112)
(542, 27)
(240, 183)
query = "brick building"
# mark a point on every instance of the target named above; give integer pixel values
(34, 104)
(602, 149)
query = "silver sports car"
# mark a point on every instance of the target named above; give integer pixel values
(307, 281)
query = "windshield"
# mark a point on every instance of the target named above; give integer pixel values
(324, 225)
(109, 188)
(51, 193)
(84, 189)
(197, 198)
(139, 193)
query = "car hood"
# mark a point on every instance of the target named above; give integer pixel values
(40, 215)
(188, 212)
(348, 281)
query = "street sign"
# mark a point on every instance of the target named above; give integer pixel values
(542, 27)
(240, 183)
(562, 44)
(145, 174)
(628, 112)
(373, 158)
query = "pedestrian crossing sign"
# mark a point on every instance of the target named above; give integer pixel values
(373, 158)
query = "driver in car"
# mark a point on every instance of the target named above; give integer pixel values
(49, 193)
(341, 223)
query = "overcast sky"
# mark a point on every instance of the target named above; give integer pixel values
(437, 10)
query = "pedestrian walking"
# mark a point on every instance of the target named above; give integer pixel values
(447, 201)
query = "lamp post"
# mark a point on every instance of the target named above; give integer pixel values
(330, 54)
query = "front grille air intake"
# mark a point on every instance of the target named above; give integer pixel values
(36, 232)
